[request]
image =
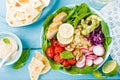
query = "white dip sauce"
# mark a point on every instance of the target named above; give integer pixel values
(7, 45)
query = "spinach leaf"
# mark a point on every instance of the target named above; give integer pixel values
(62, 9)
(45, 45)
(69, 15)
(105, 29)
(54, 65)
(22, 60)
(77, 20)
(109, 40)
(75, 70)
(66, 55)
(76, 14)
(48, 21)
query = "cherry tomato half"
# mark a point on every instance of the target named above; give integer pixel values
(65, 63)
(57, 58)
(58, 49)
(71, 61)
(54, 42)
(50, 52)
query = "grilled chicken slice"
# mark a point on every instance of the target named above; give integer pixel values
(53, 28)
(60, 17)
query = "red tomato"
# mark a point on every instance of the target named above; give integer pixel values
(71, 61)
(54, 42)
(58, 49)
(58, 59)
(65, 63)
(50, 52)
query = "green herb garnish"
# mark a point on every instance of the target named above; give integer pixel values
(6, 40)
(22, 60)
(66, 55)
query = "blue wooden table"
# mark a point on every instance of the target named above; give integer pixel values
(30, 36)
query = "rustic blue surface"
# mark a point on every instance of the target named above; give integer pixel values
(30, 36)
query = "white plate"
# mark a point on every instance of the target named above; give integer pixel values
(44, 13)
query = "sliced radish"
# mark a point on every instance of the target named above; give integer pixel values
(85, 50)
(99, 50)
(80, 65)
(89, 62)
(98, 61)
(93, 57)
(89, 53)
(83, 60)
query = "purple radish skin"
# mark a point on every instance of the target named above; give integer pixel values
(85, 50)
(80, 65)
(93, 57)
(89, 53)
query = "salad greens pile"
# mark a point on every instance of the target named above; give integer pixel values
(74, 17)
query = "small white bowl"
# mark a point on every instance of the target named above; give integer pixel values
(14, 59)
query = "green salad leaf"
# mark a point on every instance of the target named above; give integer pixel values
(54, 65)
(62, 9)
(48, 21)
(75, 70)
(66, 55)
(76, 14)
(105, 29)
(106, 33)
(45, 45)
(22, 60)
(69, 15)
(6, 40)
(77, 20)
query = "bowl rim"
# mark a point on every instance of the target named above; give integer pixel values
(19, 43)
(110, 46)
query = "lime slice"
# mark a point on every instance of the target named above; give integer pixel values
(64, 40)
(110, 68)
(66, 30)
(97, 74)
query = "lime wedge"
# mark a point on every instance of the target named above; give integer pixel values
(64, 40)
(110, 68)
(66, 30)
(97, 74)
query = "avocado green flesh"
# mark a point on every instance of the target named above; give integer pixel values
(90, 24)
